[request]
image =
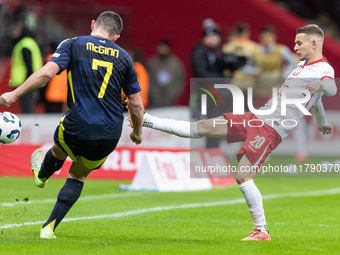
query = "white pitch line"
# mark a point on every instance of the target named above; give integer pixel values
(183, 206)
(85, 198)
(88, 198)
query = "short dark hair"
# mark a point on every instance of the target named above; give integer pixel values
(241, 28)
(111, 22)
(268, 29)
(165, 42)
(310, 29)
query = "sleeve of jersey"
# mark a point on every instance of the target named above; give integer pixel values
(328, 83)
(131, 85)
(62, 55)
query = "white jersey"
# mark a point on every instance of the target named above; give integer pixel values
(299, 78)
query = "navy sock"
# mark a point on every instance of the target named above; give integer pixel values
(50, 165)
(67, 196)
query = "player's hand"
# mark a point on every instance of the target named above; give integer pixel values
(136, 138)
(326, 130)
(8, 98)
(313, 87)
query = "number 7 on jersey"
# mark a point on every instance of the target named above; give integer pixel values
(109, 67)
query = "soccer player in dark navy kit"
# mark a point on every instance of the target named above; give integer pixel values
(97, 70)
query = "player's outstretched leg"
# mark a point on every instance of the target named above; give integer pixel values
(43, 166)
(212, 127)
(253, 198)
(67, 197)
(183, 129)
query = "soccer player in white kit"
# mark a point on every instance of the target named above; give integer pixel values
(313, 73)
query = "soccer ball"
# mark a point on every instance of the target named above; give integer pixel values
(10, 127)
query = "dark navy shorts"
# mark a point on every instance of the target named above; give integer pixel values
(92, 152)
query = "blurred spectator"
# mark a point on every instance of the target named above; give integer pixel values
(276, 61)
(166, 74)
(56, 91)
(207, 62)
(142, 75)
(327, 25)
(206, 59)
(10, 12)
(245, 49)
(26, 59)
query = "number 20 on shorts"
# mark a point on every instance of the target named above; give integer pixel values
(258, 142)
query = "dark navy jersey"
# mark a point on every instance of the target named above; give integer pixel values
(97, 71)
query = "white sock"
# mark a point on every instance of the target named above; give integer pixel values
(184, 129)
(254, 200)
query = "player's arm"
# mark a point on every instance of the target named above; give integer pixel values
(326, 85)
(320, 117)
(36, 80)
(136, 111)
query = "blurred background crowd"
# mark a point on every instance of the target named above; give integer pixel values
(323, 12)
(31, 31)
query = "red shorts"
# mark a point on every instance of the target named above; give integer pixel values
(259, 138)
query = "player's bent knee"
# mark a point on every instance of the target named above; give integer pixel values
(78, 176)
(244, 176)
(58, 152)
(78, 171)
(241, 180)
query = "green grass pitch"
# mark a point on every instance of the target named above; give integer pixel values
(302, 216)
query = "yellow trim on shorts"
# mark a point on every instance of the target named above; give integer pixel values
(62, 140)
(92, 164)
